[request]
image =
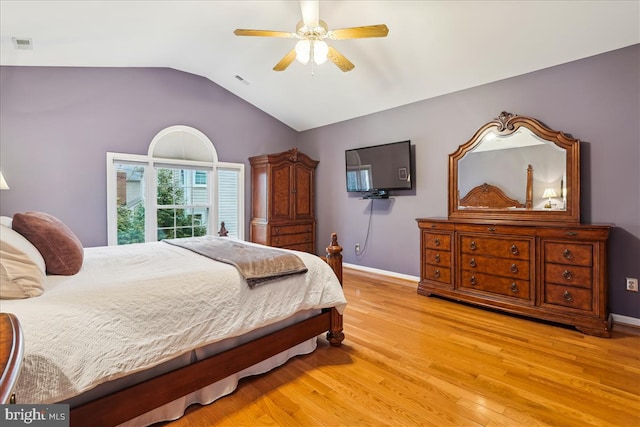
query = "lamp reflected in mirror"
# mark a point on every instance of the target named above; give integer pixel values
(549, 193)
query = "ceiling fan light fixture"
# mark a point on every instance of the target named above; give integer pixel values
(315, 51)
(311, 33)
(320, 51)
(303, 51)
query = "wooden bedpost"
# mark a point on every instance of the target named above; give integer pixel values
(529, 202)
(334, 259)
(334, 256)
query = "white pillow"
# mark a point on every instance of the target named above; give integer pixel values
(20, 277)
(6, 221)
(21, 244)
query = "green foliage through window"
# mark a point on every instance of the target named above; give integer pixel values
(130, 225)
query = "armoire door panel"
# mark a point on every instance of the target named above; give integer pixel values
(282, 192)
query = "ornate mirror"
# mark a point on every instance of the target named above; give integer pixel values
(515, 168)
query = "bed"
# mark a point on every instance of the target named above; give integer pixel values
(137, 335)
(487, 196)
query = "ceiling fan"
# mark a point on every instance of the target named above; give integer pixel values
(312, 33)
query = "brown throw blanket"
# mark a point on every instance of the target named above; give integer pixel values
(256, 264)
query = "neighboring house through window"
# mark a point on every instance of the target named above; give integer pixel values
(179, 189)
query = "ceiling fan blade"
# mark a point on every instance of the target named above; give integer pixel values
(310, 12)
(263, 33)
(339, 59)
(359, 32)
(285, 61)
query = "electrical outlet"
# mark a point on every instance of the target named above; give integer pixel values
(632, 284)
(357, 247)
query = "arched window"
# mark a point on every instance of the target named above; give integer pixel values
(179, 189)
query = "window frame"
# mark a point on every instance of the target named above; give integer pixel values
(150, 163)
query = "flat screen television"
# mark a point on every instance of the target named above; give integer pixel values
(378, 169)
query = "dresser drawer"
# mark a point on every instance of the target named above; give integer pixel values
(435, 225)
(583, 233)
(440, 241)
(494, 229)
(505, 248)
(439, 274)
(568, 275)
(291, 239)
(303, 247)
(497, 285)
(438, 258)
(567, 296)
(568, 253)
(291, 229)
(500, 266)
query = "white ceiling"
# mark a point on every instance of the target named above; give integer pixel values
(433, 47)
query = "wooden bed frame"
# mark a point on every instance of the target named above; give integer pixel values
(138, 399)
(487, 196)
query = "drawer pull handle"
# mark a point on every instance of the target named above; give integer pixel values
(514, 268)
(472, 263)
(437, 274)
(437, 241)
(572, 233)
(278, 230)
(473, 280)
(566, 274)
(514, 288)
(514, 250)
(567, 296)
(438, 258)
(434, 226)
(492, 229)
(473, 245)
(567, 254)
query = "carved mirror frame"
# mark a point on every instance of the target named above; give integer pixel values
(505, 126)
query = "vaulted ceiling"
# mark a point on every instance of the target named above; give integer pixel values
(433, 47)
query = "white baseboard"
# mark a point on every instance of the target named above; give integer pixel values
(625, 320)
(407, 277)
(617, 318)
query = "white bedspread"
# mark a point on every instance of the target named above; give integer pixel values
(133, 307)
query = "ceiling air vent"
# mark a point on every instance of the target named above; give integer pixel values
(241, 79)
(22, 43)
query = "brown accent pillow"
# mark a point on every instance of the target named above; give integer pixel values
(61, 249)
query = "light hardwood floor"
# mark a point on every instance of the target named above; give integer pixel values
(410, 360)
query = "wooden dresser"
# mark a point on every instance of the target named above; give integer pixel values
(282, 211)
(551, 272)
(513, 240)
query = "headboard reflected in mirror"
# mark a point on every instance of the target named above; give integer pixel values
(515, 168)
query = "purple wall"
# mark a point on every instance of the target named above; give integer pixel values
(596, 100)
(58, 123)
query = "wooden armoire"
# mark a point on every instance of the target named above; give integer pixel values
(282, 210)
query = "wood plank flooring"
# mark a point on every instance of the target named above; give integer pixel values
(410, 360)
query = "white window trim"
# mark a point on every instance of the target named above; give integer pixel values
(240, 168)
(150, 178)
